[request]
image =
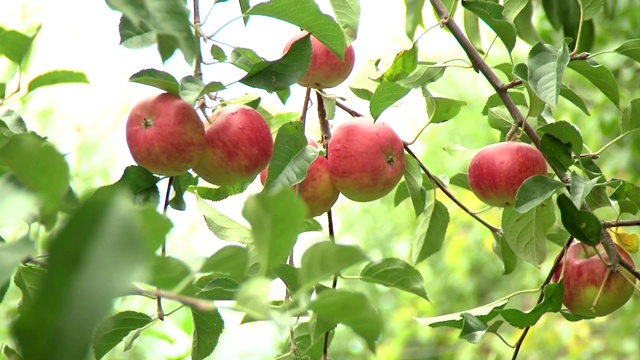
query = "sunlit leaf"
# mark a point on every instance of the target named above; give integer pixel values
(207, 328)
(327, 258)
(413, 16)
(15, 45)
(403, 65)
(386, 94)
(222, 226)
(220, 193)
(157, 78)
(396, 273)
(57, 77)
(348, 15)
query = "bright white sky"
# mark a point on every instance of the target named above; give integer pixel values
(87, 122)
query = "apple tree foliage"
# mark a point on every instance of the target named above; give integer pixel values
(92, 250)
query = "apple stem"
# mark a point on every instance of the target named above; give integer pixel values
(305, 107)
(325, 129)
(450, 195)
(604, 282)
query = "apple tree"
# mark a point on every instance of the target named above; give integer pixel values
(345, 244)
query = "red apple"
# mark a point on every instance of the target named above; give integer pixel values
(497, 171)
(164, 134)
(366, 159)
(238, 146)
(584, 273)
(317, 190)
(326, 70)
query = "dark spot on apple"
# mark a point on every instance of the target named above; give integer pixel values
(390, 159)
(147, 123)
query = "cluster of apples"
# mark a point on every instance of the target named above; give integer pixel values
(495, 174)
(365, 159)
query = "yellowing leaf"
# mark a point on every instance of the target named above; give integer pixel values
(628, 241)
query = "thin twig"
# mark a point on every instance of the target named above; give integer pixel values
(334, 284)
(163, 251)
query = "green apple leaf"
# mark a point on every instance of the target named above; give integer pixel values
(413, 182)
(552, 303)
(168, 19)
(362, 84)
(473, 329)
(307, 15)
(442, 109)
(56, 77)
(631, 116)
(413, 16)
(231, 261)
(282, 73)
(472, 29)
(253, 298)
(484, 313)
(403, 65)
(180, 184)
(291, 157)
(276, 218)
(326, 258)
(495, 101)
(546, 69)
(158, 79)
(192, 88)
(512, 8)
(582, 224)
(27, 156)
(13, 254)
(214, 287)
(351, 309)
(207, 328)
(566, 132)
(141, 183)
(505, 253)
(630, 48)
(600, 77)
(556, 152)
(115, 328)
(306, 344)
(492, 14)
(168, 272)
(15, 45)
(222, 226)
(348, 15)
(431, 231)
(574, 98)
(460, 180)
(108, 232)
(218, 53)
(386, 94)
(526, 233)
(135, 35)
(590, 8)
(580, 188)
(524, 25)
(534, 191)
(289, 275)
(425, 73)
(396, 273)
(12, 123)
(219, 193)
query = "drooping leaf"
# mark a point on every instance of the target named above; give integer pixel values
(207, 328)
(12, 254)
(57, 77)
(443, 109)
(590, 8)
(546, 69)
(413, 16)
(534, 191)
(307, 15)
(115, 328)
(495, 100)
(491, 14)
(386, 94)
(282, 73)
(276, 219)
(574, 98)
(351, 309)
(600, 77)
(396, 273)
(180, 184)
(473, 329)
(472, 29)
(348, 15)
(141, 183)
(291, 157)
(157, 78)
(218, 53)
(107, 232)
(413, 179)
(631, 116)
(580, 188)
(556, 152)
(167, 272)
(431, 231)
(168, 19)
(526, 233)
(424, 74)
(289, 275)
(253, 298)
(524, 25)
(327, 258)
(135, 36)
(505, 253)
(220, 193)
(565, 132)
(512, 8)
(222, 226)
(582, 224)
